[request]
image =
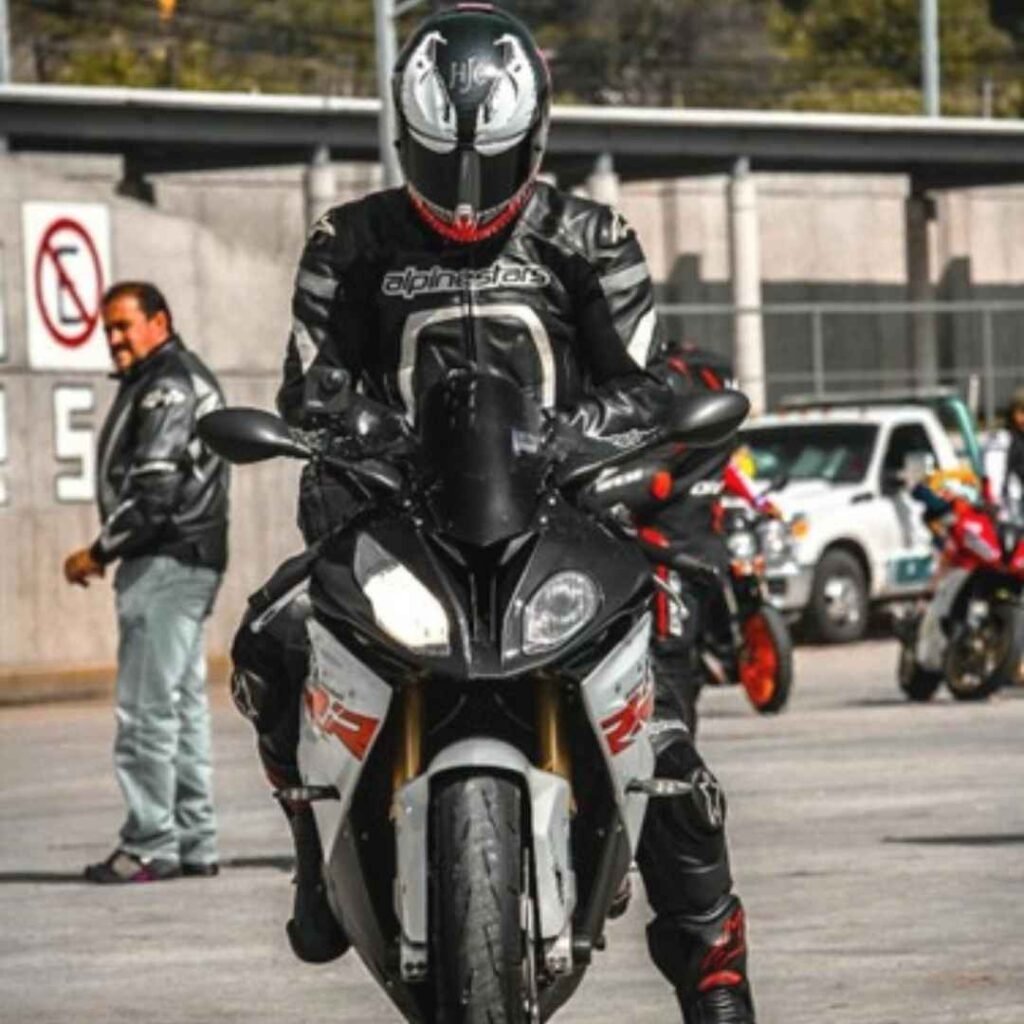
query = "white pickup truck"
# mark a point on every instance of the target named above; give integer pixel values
(858, 536)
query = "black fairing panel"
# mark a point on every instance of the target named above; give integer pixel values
(481, 437)
(484, 627)
(571, 540)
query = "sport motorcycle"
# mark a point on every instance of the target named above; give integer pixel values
(474, 732)
(971, 634)
(750, 645)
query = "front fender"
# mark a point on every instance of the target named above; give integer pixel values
(550, 800)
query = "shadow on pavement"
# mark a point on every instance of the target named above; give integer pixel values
(278, 863)
(22, 877)
(1008, 839)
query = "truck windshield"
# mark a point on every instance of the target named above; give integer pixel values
(834, 452)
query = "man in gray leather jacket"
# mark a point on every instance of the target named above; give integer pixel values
(163, 502)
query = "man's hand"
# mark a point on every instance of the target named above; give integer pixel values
(80, 565)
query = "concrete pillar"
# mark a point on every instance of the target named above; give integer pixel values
(603, 183)
(920, 212)
(318, 185)
(745, 261)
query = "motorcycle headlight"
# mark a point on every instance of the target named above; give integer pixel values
(402, 606)
(742, 545)
(558, 610)
(773, 539)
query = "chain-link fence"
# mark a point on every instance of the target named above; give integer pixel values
(827, 347)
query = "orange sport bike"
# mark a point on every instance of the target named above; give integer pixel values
(744, 640)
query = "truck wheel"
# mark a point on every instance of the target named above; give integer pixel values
(838, 609)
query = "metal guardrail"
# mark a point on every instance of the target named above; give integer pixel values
(981, 352)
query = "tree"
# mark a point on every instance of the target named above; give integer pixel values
(866, 54)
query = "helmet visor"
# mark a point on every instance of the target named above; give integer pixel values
(464, 180)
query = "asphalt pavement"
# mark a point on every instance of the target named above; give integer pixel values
(879, 848)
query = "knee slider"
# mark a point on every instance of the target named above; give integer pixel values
(707, 801)
(255, 698)
(704, 808)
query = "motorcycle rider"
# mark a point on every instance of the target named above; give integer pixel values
(476, 262)
(1013, 486)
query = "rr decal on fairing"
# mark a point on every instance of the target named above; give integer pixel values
(622, 728)
(330, 717)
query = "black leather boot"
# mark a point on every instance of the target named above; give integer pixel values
(267, 688)
(313, 931)
(705, 958)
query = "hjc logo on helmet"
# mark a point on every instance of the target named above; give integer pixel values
(468, 74)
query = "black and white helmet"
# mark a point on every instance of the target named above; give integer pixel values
(473, 97)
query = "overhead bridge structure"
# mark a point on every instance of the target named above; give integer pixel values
(160, 131)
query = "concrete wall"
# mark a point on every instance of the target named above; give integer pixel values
(840, 238)
(223, 246)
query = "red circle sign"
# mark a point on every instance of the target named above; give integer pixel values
(87, 307)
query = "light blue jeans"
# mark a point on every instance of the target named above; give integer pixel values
(162, 748)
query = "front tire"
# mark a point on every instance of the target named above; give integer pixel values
(838, 609)
(977, 664)
(916, 683)
(477, 881)
(766, 665)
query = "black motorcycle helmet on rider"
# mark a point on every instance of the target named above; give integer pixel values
(473, 97)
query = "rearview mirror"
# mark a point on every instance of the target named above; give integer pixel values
(703, 420)
(249, 435)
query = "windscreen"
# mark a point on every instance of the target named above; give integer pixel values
(481, 439)
(838, 453)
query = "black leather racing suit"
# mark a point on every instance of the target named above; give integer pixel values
(161, 490)
(562, 303)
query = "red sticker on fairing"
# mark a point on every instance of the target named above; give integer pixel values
(330, 717)
(622, 728)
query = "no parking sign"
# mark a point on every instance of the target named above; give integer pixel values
(67, 268)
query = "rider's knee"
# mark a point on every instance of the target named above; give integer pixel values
(269, 665)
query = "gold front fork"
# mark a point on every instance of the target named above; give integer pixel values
(409, 749)
(554, 751)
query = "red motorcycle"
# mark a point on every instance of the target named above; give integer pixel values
(971, 634)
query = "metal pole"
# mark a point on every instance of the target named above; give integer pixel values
(5, 45)
(930, 86)
(988, 94)
(988, 367)
(818, 352)
(745, 253)
(5, 60)
(387, 48)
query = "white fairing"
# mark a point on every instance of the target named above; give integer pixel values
(425, 100)
(931, 640)
(344, 708)
(507, 113)
(619, 698)
(550, 802)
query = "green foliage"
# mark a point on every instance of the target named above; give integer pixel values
(866, 54)
(801, 54)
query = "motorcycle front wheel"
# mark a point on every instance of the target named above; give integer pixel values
(478, 949)
(981, 661)
(766, 662)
